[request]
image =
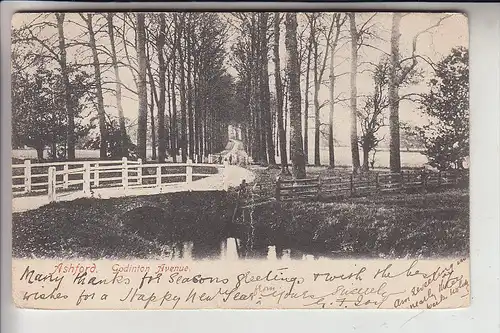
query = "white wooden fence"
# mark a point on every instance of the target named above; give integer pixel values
(52, 178)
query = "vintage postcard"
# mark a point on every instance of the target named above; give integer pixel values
(240, 160)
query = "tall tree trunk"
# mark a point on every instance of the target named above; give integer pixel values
(118, 88)
(196, 109)
(141, 87)
(160, 44)
(168, 116)
(261, 125)
(297, 148)
(101, 113)
(306, 101)
(264, 89)
(189, 61)
(182, 90)
(184, 137)
(174, 132)
(279, 96)
(394, 146)
(286, 115)
(70, 134)
(199, 113)
(153, 127)
(354, 93)
(317, 83)
(154, 100)
(331, 147)
(366, 157)
(253, 100)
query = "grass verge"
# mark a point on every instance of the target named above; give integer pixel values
(389, 226)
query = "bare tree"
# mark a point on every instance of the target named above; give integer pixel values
(319, 70)
(70, 137)
(297, 152)
(354, 92)
(339, 20)
(88, 19)
(279, 96)
(306, 92)
(141, 86)
(399, 73)
(394, 146)
(188, 49)
(174, 128)
(371, 115)
(265, 95)
(162, 69)
(118, 85)
(179, 27)
(153, 98)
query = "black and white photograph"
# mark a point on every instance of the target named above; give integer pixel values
(191, 135)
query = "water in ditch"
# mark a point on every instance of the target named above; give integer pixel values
(212, 229)
(232, 249)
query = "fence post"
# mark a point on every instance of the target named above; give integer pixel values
(86, 178)
(96, 175)
(319, 188)
(189, 173)
(124, 173)
(51, 188)
(27, 176)
(65, 176)
(352, 184)
(278, 188)
(139, 171)
(225, 179)
(423, 180)
(158, 175)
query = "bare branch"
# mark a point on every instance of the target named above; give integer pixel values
(414, 47)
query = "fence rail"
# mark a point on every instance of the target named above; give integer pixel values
(365, 184)
(85, 176)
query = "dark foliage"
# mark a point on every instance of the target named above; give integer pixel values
(447, 105)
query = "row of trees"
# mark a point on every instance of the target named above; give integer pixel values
(176, 64)
(69, 68)
(312, 41)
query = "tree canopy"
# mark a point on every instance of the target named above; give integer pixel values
(167, 86)
(446, 137)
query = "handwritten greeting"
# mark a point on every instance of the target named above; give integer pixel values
(334, 284)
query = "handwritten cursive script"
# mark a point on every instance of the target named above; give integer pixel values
(328, 284)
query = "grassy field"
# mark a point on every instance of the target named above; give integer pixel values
(342, 156)
(112, 228)
(395, 225)
(266, 175)
(390, 226)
